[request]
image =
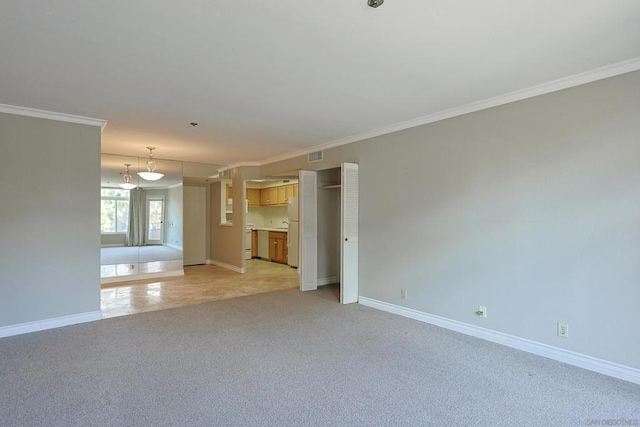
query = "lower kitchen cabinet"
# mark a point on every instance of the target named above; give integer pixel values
(254, 244)
(278, 247)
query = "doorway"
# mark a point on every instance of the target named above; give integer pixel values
(155, 220)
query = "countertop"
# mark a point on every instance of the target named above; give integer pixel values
(282, 230)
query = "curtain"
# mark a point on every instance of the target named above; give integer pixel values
(135, 232)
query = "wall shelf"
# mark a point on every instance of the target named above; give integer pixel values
(326, 187)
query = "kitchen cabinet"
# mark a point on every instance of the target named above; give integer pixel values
(272, 196)
(229, 193)
(254, 243)
(253, 196)
(269, 196)
(278, 247)
(282, 195)
(290, 191)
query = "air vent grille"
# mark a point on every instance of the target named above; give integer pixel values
(316, 156)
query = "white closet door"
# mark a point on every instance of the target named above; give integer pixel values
(195, 225)
(349, 209)
(308, 230)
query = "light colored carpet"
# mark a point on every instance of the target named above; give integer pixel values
(135, 254)
(288, 358)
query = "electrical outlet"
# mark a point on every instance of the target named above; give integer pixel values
(403, 293)
(563, 330)
(482, 311)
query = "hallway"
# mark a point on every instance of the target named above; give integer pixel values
(201, 283)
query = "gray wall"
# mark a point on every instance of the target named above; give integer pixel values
(227, 240)
(173, 220)
(49, 219)
(530, 208)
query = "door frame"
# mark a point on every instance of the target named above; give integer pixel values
(149, 199)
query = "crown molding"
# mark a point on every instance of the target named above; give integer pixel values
(541, 89)
(52, 115)
(243, 164)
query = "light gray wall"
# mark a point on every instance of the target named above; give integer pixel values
(530, 208)
(49, 219)
(328, 225)
(173, 220)
(227, 240)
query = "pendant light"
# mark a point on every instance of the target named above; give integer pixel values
(151, 174)
(127, 179)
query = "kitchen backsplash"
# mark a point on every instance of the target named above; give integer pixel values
(267, 216)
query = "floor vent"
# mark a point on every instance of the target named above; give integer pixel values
(316, 156)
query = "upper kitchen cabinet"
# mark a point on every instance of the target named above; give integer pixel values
(269, 196)
(282, 195)
(253, 196)
(290, 191)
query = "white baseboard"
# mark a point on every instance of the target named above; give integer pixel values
(328, 281)
(227, 266)
(605, 367)
(111, 245)
(142, 276)
(56, 322)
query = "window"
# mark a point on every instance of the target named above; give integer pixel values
(114, 210)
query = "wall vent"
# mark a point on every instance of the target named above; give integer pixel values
(316, 156)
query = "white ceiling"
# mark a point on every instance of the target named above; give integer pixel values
(265, 78)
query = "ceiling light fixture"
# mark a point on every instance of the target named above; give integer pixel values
(127, 179)
(151, 174)
(375, 3)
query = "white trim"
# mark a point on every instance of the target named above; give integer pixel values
(51, 115)
(111, 245)
(541, 89)
(590, 363)
(174, 186)
(56, 322)
(141, 276)
(243, 164)
(227, 266)
(328, 281)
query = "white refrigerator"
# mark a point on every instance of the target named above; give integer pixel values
(292, 235)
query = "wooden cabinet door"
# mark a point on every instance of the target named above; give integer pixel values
(277, 246)
(264, 197)
(229, 192)
(285, 256)
(282, 195)
(280, 250)
(295, 190)
(273, 196)
(254, 196)
(273, 248)
(288, 193)
(254, 243)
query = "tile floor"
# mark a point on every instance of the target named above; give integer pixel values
(199, 284)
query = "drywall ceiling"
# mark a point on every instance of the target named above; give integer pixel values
(265, 78)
